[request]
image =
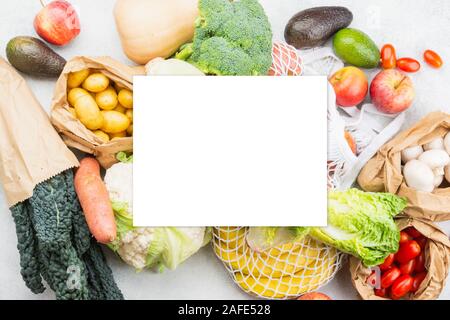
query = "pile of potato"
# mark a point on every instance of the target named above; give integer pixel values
(102, 106)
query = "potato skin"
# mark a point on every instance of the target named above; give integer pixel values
(88, 112)
(96, 82)
(107, 100)
(75, 79)
(114, 122)
(125, 97)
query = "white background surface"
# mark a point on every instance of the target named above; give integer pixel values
(212, 155)
(412, 26)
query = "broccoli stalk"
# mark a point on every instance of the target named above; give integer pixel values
(231, 38)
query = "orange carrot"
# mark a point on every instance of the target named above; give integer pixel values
(94, 200)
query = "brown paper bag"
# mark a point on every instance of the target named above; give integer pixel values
(31, 149)
(437, 263)
(383, 172)
(74, 133)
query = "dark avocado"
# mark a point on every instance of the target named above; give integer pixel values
(32, 56)
(313, 27)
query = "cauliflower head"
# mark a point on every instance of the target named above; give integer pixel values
(146, 247)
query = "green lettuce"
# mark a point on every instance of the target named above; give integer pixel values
(362, 224)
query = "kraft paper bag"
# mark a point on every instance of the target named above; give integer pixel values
(437, 263)
(31, 149)
(74, 133)
(383, 172)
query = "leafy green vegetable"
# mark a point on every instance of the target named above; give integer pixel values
(55, 244)
(231, 38)
(264, 238)
(124, 157)
(361, 223)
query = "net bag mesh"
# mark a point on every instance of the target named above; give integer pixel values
(282, 272)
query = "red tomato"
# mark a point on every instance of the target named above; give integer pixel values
(401, 286)
(408, 267)
(413, 232)
(388, 57)
(408, 251)
(372, 280)
(433, 59)
(418, 280)
(422, 241)
(387, 262)
(420, 263)
(380, 292)
(404, 237)
(408, 64)
(388, 278)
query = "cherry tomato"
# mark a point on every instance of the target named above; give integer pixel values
(404, 237)
(402, 286)
(433, 59)
(372, 280)
(418, 280)
(388, 57)
(408, 64)
(408, 267)
(422, 241)
(388, 278)
(380, 292)
(387, 262)
(420, 263)
(413, 232)
(408, 251)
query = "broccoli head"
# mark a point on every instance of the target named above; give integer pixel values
(231, 38)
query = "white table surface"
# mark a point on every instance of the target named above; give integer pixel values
(412, 26)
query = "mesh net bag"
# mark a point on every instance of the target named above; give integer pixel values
(285, 271)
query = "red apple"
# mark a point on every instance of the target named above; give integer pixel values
(392, 91)
(350, 85)
(57, 23)
(314, 296)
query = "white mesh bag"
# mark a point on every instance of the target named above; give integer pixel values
(284, 271)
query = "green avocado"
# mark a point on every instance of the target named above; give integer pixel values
(356, 48)
(32, 56)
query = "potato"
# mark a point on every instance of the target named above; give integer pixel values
(129, 114)
(126, 98)
(75, 79)
(88, 112)
(114, 122)
(96, 82)
(102, 135)
(120, 109)
(107, 100)
(130, 130)
(74, 94)
(122, 134)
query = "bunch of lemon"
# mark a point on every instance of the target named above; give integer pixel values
(102, 106)
(283, 272)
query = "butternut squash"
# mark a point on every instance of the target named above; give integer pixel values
(154, 28)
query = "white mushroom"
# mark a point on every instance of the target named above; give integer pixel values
(436, 160)
(436, 144)
(418, 176)
(411, 153)
(438, 180)
(447, 143)
(447, 173)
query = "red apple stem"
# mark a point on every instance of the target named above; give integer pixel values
(42, 3)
